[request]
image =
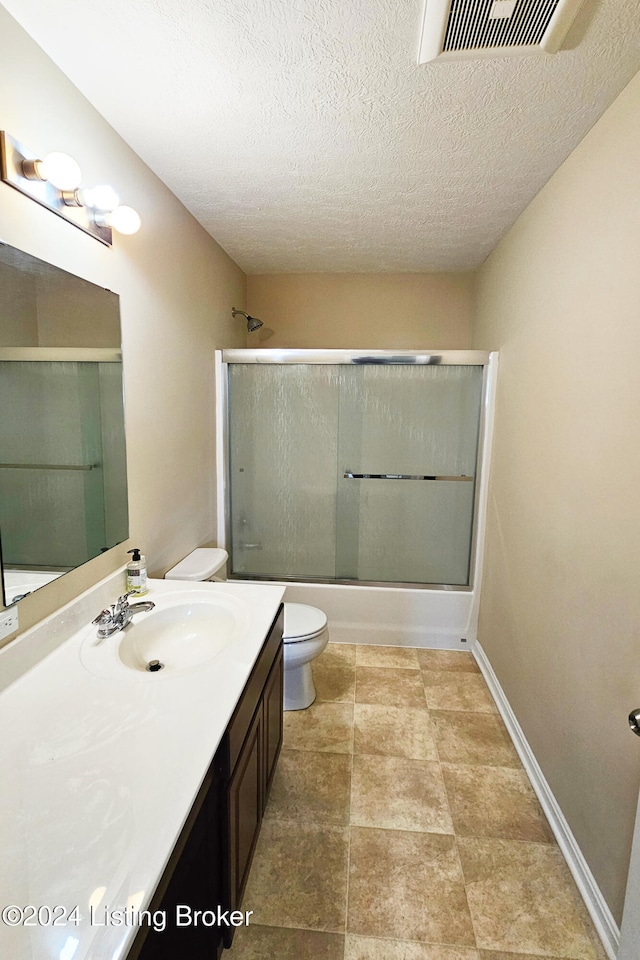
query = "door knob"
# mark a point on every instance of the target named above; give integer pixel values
(634, 721)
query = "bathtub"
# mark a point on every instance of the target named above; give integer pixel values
(394, 616)
(18, 582)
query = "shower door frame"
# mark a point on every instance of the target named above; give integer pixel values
(488, 360)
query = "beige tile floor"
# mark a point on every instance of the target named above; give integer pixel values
(402, 826)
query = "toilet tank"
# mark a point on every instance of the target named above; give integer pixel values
(200, 564)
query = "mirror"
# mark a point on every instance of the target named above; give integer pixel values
(63, 483)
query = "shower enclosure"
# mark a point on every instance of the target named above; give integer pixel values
(353, 467)
(62, 469)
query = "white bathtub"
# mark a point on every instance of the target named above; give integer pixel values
(395, 616)
(18, 582)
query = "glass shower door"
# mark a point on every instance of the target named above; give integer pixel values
(356, 472)
(408, 445)
(283, 450)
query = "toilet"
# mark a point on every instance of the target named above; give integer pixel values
(306, 632)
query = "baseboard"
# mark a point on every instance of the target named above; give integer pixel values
(602, 917)
(392, 635)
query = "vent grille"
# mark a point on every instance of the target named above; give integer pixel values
(472, 29)
(470, 26)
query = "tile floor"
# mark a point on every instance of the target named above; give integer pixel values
(402, 826)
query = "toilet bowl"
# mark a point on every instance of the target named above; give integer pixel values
(306, 632)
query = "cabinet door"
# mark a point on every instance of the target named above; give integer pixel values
(193, 878)
(272, 721)
(245, 809)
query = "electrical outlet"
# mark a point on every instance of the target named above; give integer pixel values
(8, 622)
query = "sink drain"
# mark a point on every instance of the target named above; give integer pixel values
(154, 665)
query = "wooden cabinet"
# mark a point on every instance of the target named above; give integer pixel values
(272, 722)
(248, 759)
(210, 863)
(245, 811)
(190, 879)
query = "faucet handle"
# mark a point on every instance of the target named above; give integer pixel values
(103, 617)
(123, 602)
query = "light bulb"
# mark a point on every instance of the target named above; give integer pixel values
(124, 220)
(102, 198)
(60, 170)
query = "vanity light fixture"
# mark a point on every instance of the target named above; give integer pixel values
(58, 169)
(103, 198)
(123, 219)
(54, 181)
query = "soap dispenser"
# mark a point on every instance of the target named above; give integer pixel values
(137, 573)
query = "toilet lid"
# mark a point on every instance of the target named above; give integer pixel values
(200, 564)
(302, 622)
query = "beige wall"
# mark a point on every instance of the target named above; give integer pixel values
(560, 610)
(56, 311)
(361, 310)
(18, 308)
(177, 287)
(79, 316)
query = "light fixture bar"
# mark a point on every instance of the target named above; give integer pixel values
(12, 155)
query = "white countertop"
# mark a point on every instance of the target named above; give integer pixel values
(98, 776)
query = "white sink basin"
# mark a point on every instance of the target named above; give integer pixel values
(183, 632)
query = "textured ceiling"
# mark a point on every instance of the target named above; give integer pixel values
(304, 136)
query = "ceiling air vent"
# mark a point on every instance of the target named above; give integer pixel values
(467, 29)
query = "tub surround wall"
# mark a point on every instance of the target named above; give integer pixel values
(395, 311)
(560, 607)
(176, 287)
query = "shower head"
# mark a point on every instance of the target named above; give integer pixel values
(252, 322)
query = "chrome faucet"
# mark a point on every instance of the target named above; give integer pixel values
(119, 614)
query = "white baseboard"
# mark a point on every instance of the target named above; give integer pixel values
(392, 635)
(602, 917)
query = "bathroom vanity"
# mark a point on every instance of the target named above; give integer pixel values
(210, 863)
(125, 791)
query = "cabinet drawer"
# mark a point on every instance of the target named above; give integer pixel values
(243, 714)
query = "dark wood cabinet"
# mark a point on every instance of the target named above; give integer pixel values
(210, 863)
(245, 811)
(192, 879)
(249, 754)
(272, 722)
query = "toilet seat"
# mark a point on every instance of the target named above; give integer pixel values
(302, 622)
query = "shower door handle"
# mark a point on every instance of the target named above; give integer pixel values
(349, 475)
